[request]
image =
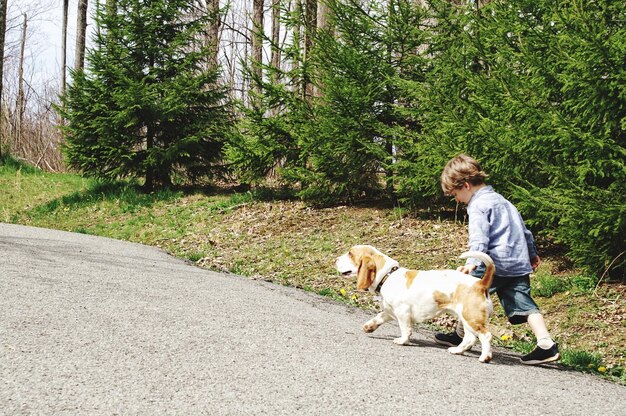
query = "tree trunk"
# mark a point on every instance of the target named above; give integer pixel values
(276, 34)
(64, 45)
(297, 35)
(150, 170)
(213, 11)
(389, 145)
(81, 30)
(19, 103)
(257, 40)
(3, 27)
(322, 15)
(323, 23)
(310, 26)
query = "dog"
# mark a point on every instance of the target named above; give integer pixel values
(411, 296)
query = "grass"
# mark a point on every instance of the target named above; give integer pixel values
(25, 188)
(548, 285)
(289, 243)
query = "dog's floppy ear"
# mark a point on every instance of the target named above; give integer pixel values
(366, 273)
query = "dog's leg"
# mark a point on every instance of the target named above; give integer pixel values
(485, 344)
(469, 339)
(373, 324)
(405, 322)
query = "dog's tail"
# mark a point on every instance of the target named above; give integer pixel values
(485, 282)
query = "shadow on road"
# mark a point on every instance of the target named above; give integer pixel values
(500, 357)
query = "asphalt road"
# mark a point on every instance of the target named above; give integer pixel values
(94, 326)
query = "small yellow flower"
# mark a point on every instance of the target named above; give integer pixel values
(342, 291)
(505, 337)
(353, 297)
(602, 369)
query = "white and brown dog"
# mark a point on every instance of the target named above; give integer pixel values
(411, 296)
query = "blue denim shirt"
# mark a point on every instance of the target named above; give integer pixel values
(497, 228)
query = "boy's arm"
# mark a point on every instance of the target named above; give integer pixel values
(467, 269)
(532, 248)
(534, 262)
(478, 233)
(530, 242)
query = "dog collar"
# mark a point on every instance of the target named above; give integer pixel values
(384, 279)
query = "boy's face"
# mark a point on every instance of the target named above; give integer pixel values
(463, 194)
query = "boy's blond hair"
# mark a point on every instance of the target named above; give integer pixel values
(459, 170)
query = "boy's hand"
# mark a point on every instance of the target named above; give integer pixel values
(535, 263)
(467, 269)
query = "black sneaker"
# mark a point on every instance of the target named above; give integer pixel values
(451, 340)
(540, 356)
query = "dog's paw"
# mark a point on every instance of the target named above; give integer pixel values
(369, 327)
(401, 341)
(455, 350)
(485, 359)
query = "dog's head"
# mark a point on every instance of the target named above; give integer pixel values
(366, 263)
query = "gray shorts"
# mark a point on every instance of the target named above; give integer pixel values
(514, 295)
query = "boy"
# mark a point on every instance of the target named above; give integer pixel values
(496, 228)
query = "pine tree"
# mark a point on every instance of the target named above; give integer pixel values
(535, 90)
(342, 142)
(146, 106)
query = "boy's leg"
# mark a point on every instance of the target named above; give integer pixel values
(519, 307)
(451, 339)
(538, 326)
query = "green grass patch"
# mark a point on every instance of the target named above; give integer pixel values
(194, 256)
(112, 209)
(547, 285)
(24, 187)
(10, 164)
(581, 360)
(127, 196)
(592, 363)
(231, 202)
(584, 283)
(521, 345)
